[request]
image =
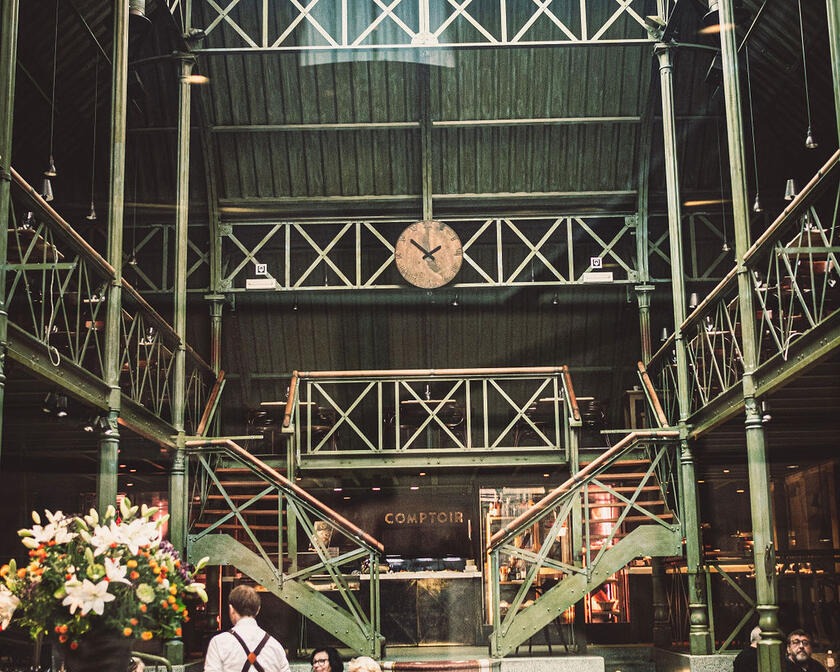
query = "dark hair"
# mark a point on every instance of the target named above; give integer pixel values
(245, 600)
(335, 660)
(800, 633)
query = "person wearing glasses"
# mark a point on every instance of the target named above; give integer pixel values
(246, 647)
(326, 660)
(799, 653)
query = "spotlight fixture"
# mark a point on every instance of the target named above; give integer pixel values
(725, 247)
(693, 301)
(48, 403)
(91, 217)
(664, 335)
(455, 303)
(47, 190)
(132, 259)
(757, 204)
(50, 171)
(28, 221)
(555, 301)
(765, 412)
(61, 405)
(790, 189)
(810, 143)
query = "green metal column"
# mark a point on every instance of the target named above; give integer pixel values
(178, 468)
(833, 12)
(216, 310)
(764, 552)
(8, 65)
(699, 635)
(109, 440)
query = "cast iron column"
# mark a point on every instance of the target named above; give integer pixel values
(833, 12)
(764, 552)
(178, 469)
(8, 63)
(109, 439)
(699, 635)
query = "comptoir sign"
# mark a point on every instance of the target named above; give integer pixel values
(424, 518)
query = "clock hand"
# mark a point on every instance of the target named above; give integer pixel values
(419, 247)
(431, 253)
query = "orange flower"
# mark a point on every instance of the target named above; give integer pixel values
(178, 564)
(113, 544)
(134, 575)
(58, 628)
(186, 618)
(131, 563)
(62, 638)
(133, 621)
(164, 604)
(171, 599)
(186, 613)
(146, 635)
(21, 573)
(74, 645)
(62, 629)
(177, 632)
(159, 579)
(173, 590)
(4, 570)
(51, 542)
(155, 569)
(143, 608)
(152, 562)
(68, 576)
(127, 632)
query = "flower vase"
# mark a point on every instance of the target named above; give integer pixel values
(98, 653)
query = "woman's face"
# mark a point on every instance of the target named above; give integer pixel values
(321, 662)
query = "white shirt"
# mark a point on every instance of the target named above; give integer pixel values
(225, 654)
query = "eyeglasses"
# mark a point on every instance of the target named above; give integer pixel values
(320, 661)
(800, 642)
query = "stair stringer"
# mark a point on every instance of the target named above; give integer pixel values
(222, 549)
(644, 541)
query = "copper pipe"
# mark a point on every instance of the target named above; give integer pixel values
(344, 525)
(290, 402)
(654, 398)
(572, 398)
(527, 518)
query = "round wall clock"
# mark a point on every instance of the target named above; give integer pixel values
(428, 254)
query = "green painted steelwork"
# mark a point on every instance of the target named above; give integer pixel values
(351, 622)
(699, 636)
(106, 487)
(426, 25)
(770, 644)
(747, 599)
(424, 418)
(8, 63)
(653, 534)
(833, 19)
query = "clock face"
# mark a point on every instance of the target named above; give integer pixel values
(428, 254)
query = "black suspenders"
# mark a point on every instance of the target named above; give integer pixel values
(251, 660)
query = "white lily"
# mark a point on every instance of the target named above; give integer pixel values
(8, 604)
(87, 596)
(104, 536)
(139, 532)
(115, 572)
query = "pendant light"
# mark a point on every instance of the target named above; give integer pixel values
(757, 203)
(50, 171)
(725, 247)
(810, 143)
(91, 217)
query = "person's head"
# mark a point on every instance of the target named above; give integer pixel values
(755, 635)
(326, 660)
(364, 664)
(799, 646)
(243, 601)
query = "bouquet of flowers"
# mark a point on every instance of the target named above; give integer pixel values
(110, 574)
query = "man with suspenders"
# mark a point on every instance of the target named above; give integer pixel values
(246, 647)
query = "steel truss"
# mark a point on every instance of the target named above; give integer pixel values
(794, 280)
(318, 25)
(58, 289)
(263, 558)
(616, 541)
(444, 417)
(498, 252)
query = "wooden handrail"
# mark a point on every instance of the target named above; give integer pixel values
(654, 398)
(290, 402)
(572, 397)
(526, 518)
(344, 525)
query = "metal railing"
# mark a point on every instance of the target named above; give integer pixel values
(595, 540)
(292, 507)
(440, 411)
(796, 292)
(58, 288)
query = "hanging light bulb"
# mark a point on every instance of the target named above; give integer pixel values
(132, 258)
(91, 216)
(47, 190)
(50, 171)
(725, 247)
(455, 303)
(757, 204)
(664, 335)
(555, 301)
(810, 143)
(693, 300)
(790, 189)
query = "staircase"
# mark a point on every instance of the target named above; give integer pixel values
(242, 521)
(617, 508)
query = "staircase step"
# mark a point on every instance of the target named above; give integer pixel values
(625, 488)
(244, 512)
(245, 484)
(242, 497)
